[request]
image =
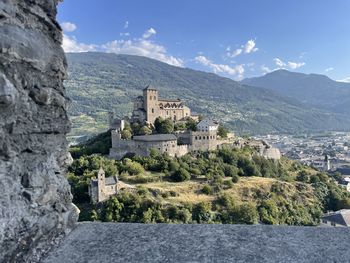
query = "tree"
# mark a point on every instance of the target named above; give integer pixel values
(180, 175)
(222, 131)
(191, 124)
(201, 212)
(145, 131)
(126, 134)
(164, 126)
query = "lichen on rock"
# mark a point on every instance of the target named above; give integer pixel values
(35, 202)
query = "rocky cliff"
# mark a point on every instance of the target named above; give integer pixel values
(35, 201)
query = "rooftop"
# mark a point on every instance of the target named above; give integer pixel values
(341, 217)
(117, 242)
(155, 137)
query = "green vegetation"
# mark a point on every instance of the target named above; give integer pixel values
(98, 144)
(164, 126)
(100, 82)
(223, 186)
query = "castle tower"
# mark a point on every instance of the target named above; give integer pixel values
(151, 105)
(111, 120)
(101, 182)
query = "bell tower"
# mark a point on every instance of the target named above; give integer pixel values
(101, 182)
(151, 105)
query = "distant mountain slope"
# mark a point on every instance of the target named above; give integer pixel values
(99, 82)
(313, 89)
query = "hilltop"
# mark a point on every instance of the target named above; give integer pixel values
(100, 82)
(313, 89)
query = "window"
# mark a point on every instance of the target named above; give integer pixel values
(152, 110)
(207, 137)
(332, 223)
(154, 98)
(195, 138)
(150, 97)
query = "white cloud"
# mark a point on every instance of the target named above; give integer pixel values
(149, 32)
(142, 47)
(70, 44)
(247, 48)
(126, 25)
(266, 69)
(329, 69)
(127, 34)
(137, 46)
(291, 65)
(345, 80)
(279, 62)
(221, 68)
(295, 65)
(68, 27)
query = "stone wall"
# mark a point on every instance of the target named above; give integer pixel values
(35, 202)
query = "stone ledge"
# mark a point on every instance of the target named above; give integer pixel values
(125, 242)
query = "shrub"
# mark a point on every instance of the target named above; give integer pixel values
(126, 134)
(235, 179)
(207, 190)
(180, 175)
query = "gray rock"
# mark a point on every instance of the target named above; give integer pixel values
(35, 203)
(109, 242)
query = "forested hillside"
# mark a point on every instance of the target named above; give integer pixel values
(99, 82)
(223, 186)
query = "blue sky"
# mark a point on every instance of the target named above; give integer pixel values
(232, 38)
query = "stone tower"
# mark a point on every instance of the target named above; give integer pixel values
(151, 105)
(101, 182)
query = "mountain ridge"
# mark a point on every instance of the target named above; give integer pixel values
(99, 82)
(317, 90)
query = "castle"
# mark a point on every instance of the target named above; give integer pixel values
(175, 145)
(149, 107)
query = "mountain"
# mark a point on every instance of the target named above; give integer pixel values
(100, 82)
(313, 89)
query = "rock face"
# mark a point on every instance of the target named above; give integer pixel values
(35, 201)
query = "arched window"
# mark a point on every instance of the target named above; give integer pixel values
(150, 97)
(154, 97)
(152, 110)
(195, 138)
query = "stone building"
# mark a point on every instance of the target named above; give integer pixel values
(149, 107)
(102, 188)
(142, 145)
(204, 139)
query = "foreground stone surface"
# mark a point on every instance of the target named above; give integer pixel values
(35, 201)
(108, 242)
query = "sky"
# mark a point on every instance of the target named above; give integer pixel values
(232, 38)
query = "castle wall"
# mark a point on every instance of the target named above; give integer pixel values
(203, 141)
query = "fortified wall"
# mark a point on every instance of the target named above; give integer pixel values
(35, 201)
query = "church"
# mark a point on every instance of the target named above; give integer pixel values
(150, 106)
